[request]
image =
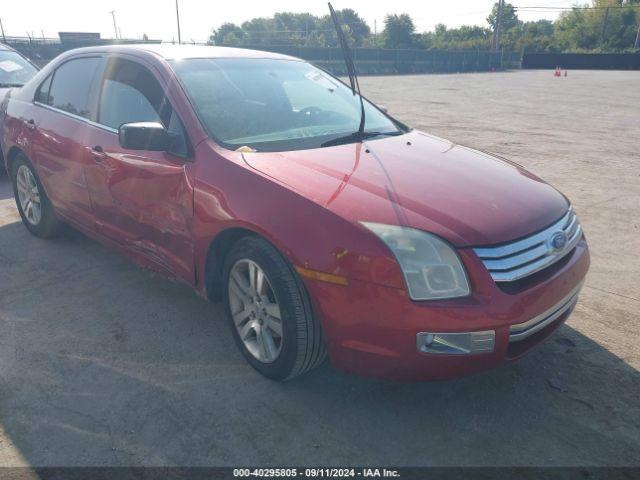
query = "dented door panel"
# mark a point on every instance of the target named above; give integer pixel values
(142, 200)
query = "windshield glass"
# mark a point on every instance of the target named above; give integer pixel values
(274, 105)
(15, 71)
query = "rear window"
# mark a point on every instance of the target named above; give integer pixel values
(74, 86)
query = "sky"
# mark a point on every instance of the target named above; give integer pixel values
(157, 18)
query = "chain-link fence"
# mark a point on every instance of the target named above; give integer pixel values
(41, 50)
(582, 61)
(380, 61)
(369, 61)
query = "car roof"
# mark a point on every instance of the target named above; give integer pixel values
(169, 51)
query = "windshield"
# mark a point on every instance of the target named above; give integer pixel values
(15, 71)
(274, 105)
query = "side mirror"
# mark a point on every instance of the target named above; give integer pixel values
(150, 136)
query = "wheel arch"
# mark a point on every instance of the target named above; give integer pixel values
(216, 254)
(219, 248)
(12, 154)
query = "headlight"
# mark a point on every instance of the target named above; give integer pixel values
(430, 266)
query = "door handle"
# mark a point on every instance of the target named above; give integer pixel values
(31, 124)
(98, 153)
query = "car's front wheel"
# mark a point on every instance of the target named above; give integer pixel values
(270, 312)
(33, 204)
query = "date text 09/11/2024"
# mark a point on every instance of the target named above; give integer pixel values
(316, 472)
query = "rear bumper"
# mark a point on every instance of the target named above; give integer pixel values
(375, 331)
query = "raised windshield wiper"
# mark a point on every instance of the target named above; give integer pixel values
(357, 137)
(10, 85)
(351, 68)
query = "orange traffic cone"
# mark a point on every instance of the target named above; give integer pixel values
(557, 72)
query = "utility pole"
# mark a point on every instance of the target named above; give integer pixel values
(497, 29)
(115, 27)
(5, 40)
(178, 22)
(637, 44)
(604, 28)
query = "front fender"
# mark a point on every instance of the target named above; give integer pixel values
(228, 194)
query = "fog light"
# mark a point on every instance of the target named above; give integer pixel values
(468, 343)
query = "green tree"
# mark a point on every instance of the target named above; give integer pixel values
(537, 36)
(231, 38)
(509, 17)
(465, 37)
(580, 30)
(359, 29)
(227, 32)
(293, 28)
(316, 39)
(260, 31)
(576, 30)
(328, 30)
(398, 31)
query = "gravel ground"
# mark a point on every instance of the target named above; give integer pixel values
(104, 364)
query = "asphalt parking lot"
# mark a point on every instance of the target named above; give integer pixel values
(102, 363)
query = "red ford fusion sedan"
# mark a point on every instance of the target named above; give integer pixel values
(397, 253)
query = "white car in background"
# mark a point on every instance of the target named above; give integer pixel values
(15, 71)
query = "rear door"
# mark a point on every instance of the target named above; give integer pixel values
(141, 199)
(65, 104)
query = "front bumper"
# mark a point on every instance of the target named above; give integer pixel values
(378, 331)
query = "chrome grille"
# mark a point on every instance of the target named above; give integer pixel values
(519, 259)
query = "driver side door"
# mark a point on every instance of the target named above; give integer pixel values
(143, 200)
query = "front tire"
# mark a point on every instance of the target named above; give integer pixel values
(33, 204)
(270, 312)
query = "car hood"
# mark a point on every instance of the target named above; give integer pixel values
(417, 180)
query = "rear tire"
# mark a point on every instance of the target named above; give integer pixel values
(33, 204)
(260, 285)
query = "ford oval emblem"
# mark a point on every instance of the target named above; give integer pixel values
(558, 241)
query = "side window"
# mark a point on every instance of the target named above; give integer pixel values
(73, 86)
(122, 103)
(178, 136)
(42, 94)
(130, 93)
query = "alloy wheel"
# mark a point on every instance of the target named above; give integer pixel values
(29, 195)
(255, 310)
